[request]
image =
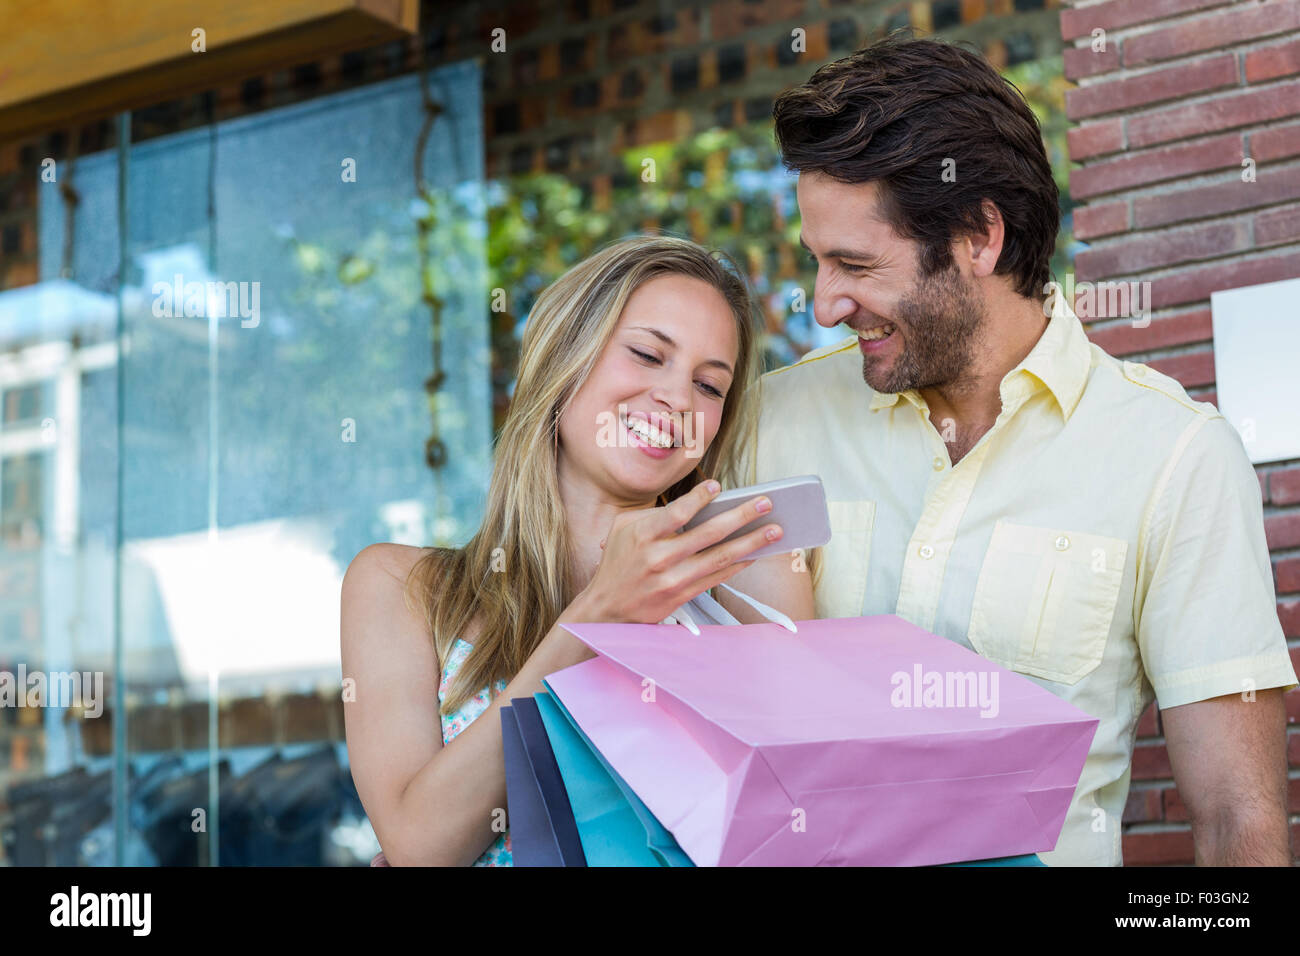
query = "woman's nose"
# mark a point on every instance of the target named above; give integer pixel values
(671, 396)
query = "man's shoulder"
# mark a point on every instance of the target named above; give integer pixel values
(1135, 383)
(839, 357)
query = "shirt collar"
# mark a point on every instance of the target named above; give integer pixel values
(1059, 360)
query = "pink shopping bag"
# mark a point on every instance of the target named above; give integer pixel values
(856, 741)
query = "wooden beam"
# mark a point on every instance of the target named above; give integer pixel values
(69, 61)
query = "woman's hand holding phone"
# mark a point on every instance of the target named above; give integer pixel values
(648, 569)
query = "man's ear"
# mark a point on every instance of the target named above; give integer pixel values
(983, 247)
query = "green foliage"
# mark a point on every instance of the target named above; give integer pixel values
(726, 189)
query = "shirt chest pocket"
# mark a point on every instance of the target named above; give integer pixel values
(840, 578)
(1045, 599)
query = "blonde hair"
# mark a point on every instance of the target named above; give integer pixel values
(567, 330)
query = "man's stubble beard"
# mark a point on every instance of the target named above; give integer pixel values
(943, 317)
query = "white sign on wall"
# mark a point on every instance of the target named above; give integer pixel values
(1257, 366)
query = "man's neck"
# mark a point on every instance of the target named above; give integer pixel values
(964, 410)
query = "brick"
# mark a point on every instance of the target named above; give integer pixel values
(1182, 328)
(659, 33)
(1194, 368)
(1142, 806)
(1081, 21)
(817, 42)
(1151, 762)
(1272, 62)
(1276, 142)
(1159, 848)
(1288, 613)
(1284, 486)
(1286, 576)
(660, 127)
(1263, 485)
(996, 53)
(1170, 162)
(1293, 753)
(1196, 284)
(1271, 186)
(1165, 248)
(1247, 108)
(1174, 808)
(1095, 139)
(1292, 701)
(1282, 530)
(1171, 83)
(518, 20)
(1081, 61)
(1277, 225)
(1216, 31)
(733, 17)
(548, 62)
(1101, 219)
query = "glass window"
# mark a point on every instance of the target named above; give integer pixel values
(256, 376)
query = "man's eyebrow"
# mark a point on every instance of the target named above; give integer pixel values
(663, 337)
(867, 257)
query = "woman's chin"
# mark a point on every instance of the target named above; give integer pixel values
(649, 483)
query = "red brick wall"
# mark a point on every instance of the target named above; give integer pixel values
(1182, 94)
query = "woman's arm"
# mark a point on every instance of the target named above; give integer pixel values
(781, 581)
(433, 804)
(430, 804)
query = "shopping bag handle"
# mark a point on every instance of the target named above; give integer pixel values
(704, 607)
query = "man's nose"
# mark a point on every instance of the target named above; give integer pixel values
(831, 310)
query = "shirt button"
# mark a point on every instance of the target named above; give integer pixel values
(938, 463)
(1062, 543)
(925, 551)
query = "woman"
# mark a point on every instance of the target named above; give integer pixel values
(635, 386)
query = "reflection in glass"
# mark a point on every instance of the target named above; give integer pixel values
(273, 420)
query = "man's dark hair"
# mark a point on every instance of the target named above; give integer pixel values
(893, 112)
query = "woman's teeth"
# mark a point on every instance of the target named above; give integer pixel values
(648, 433)
(879, 332)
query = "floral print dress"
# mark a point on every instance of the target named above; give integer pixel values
(498, 854)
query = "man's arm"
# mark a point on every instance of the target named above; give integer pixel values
(1205, 617)
(1229, 760)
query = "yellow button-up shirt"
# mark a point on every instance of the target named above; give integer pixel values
(1104, 538)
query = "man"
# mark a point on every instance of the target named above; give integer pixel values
(999, 480)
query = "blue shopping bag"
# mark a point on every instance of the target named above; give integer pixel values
(616, 828)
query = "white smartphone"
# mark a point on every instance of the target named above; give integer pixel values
(798, 506)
